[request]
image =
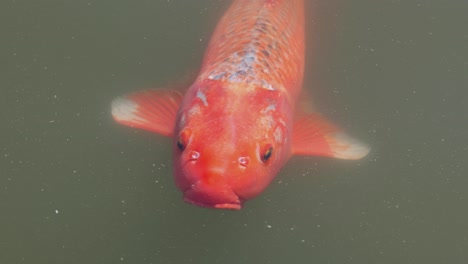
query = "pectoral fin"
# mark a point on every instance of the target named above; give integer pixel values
(153, 110)
(313, 135)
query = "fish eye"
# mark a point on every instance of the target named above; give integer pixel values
(183, 139)
(180, 144)
(266, 155)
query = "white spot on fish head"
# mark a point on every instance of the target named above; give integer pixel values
(194, 110)
(182, 120)
(268, 86)
(216, 75)
(266, 121)
(281, 121)
(278, 134)
(202, 97)
(271, 107)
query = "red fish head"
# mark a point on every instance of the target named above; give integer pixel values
(223, 158)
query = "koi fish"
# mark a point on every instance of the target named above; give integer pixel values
(236, 126)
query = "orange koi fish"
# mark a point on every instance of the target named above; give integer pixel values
(236, 126)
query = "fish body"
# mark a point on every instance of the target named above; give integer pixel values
(237, 124)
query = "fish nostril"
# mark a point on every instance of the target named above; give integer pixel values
(194, 155)
(244, 161)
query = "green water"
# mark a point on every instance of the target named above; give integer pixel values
(77, 188)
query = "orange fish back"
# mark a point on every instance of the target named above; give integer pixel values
(259, 42)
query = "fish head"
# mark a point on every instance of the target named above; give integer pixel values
(226, 155)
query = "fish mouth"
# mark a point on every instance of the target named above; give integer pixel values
(212, 197)
(228, 206)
